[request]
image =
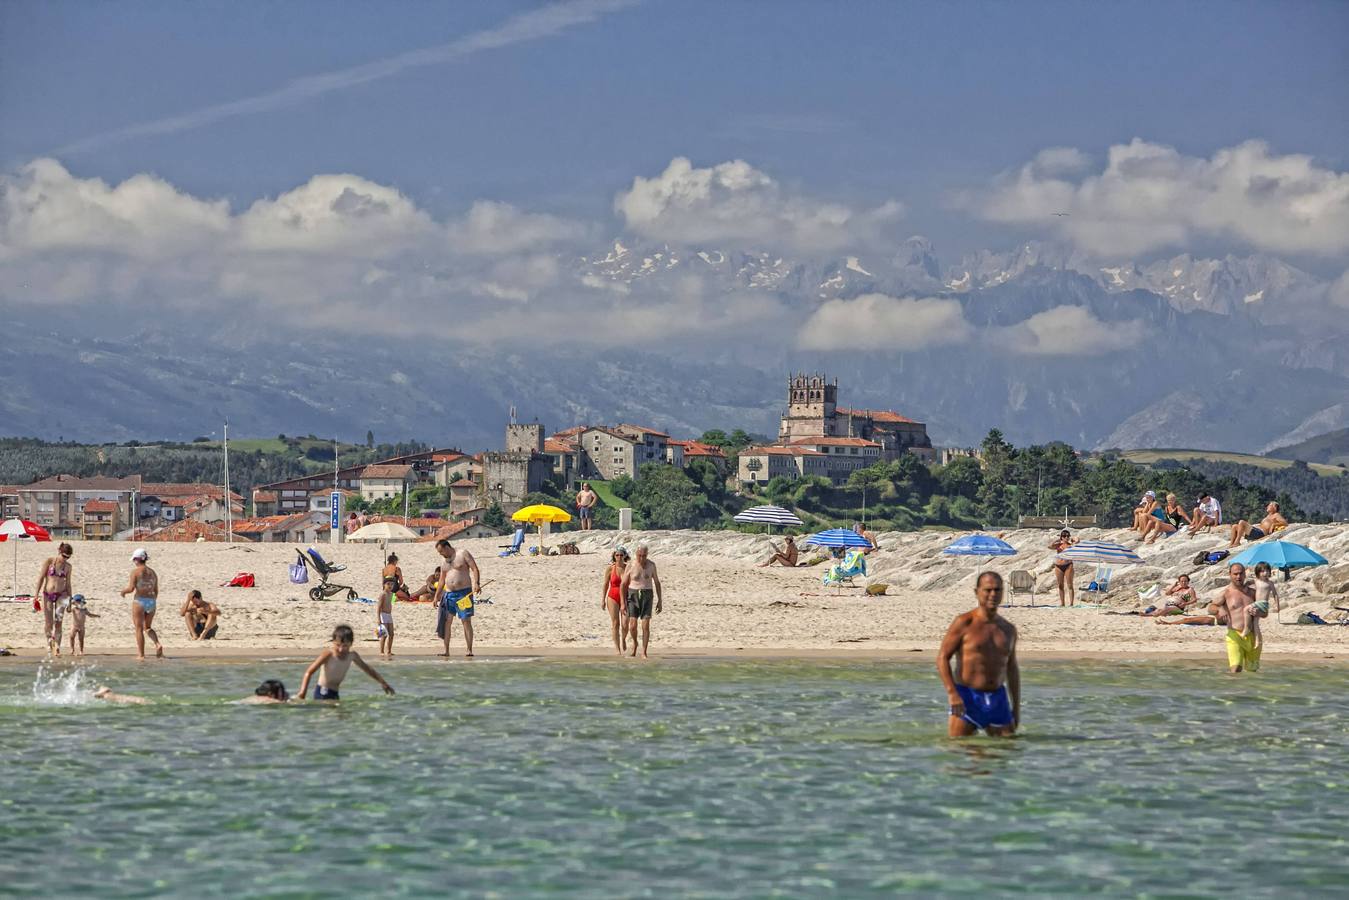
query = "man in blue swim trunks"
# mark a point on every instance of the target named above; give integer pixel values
(459, 583)
(985, 687)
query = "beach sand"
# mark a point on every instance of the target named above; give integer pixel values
(716, 600)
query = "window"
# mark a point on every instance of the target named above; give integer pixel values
(854, 451)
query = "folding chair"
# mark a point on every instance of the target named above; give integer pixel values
(513, 548)
(1023, 581)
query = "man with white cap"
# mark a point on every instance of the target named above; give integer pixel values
(143, 587)
(1143, 511)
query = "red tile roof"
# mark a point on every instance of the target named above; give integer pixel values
(96, 483)
(643, 429)
(877, 415)
(570, 432)
(698, 448)
(386, 471)
(164, 489)
(780, 451)
(554, 445)
(451, 530)
(261, 496)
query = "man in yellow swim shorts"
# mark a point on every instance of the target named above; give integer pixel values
(1243, 647)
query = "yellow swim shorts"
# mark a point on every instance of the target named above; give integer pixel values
(1242, 651)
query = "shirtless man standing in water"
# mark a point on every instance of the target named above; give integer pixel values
(1243, 629)
(983, 644)
(459, 583)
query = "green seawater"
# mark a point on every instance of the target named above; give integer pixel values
(682, 777)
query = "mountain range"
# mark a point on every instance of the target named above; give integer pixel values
(1197, 352)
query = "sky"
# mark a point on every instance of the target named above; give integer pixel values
(318, 154)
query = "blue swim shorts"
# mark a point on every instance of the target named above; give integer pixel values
(460, 603)
(322, 693)
(585, 511)
(986, 709)
(147, 604)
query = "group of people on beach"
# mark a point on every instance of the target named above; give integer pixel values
(1153, 519)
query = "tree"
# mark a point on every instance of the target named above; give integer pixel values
(494, 516)
(664, 497)
(715, 437)
(370, 440)
(622, 487)
(961, 477)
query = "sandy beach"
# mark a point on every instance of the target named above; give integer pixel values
(716, 599)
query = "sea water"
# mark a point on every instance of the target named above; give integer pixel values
(692, 777)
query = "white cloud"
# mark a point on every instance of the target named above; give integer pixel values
(1068, 331)
(1339, 291)
(735, 202)
(335, 214)
(492, 228)
(1150, 196)
(881, 322)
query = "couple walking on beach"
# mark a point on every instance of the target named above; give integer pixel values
(632, 594)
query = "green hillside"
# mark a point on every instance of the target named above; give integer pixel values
(1148, 457)
(1331, 448)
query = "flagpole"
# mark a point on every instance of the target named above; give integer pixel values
(229, 506)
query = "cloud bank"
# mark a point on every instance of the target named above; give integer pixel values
(1150, 196)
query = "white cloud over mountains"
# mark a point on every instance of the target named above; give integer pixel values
(735, 202)
(1150, 196)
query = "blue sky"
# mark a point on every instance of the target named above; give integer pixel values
(850, 101)
(458, 160)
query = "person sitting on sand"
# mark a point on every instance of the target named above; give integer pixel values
(391, 568)
(427, 592)
(106, 694)
(1272, 522)
(332, 665)
(1208, 514)
(1143, 511)
(1180, 597)
(787, 556)
(200, 617)
(985, 687)
(1063, 568)
(270, 691)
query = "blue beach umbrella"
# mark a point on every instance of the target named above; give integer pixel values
(1279, 555)
(980, 545)
(837, 537)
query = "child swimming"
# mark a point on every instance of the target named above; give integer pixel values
(384, 615)
(332, 665)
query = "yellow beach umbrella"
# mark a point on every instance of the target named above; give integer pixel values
(539, 513)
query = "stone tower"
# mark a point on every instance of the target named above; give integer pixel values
(812, 402)
(524, 438)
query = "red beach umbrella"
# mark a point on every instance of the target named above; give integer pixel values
(21, 530)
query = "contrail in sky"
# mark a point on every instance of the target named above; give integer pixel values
(530, 26)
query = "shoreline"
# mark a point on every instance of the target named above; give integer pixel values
(757, 654)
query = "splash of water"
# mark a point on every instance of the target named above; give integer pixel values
(72, 687)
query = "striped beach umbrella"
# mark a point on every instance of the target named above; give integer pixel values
(16, 530)
(767, 515)
(980, 545)
(837, 537)
(1101, 552)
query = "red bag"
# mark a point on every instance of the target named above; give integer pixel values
(243, 579)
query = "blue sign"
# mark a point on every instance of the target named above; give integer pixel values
(336, 497)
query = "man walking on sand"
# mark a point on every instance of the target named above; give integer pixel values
(641, 585)
(1243, 631)
(459, 582)
(985, 688)
(585, 506)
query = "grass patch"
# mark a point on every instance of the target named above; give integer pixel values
(606, 494)
(1148, 457)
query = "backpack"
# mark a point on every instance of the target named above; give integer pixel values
(1209, 557)
(1311, 618)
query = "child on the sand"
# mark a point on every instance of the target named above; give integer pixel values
(332, 665)
(79, 609)
(384, 616)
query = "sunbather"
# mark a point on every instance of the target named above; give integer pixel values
(1214, 614)
(1179, 598)
(787, 556)
(1272, 522)
(1143, 511)
(1207, 514)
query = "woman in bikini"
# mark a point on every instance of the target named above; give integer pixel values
(53, 586)
(144, 589)
(613, 598)
(1063, 568)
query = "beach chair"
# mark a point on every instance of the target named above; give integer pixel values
(841, 573)
(325, 589)
(1023, 581)
(1101, 583)
(513, 548)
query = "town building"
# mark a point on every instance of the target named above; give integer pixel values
(813, 411)
(380, 482)
(459, 531)
(289, 528)
(759, 465)
(9, 501)
(607, 453)
(100, 520)
(57, 503)
(683, 453)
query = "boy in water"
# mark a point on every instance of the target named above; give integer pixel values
(985, 688)
(384, 616)
(79, 609)
(332, 665)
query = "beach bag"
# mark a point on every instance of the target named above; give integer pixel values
(299, 573)
(243, 579)
(1209, 557)
(1311, 618)
(877, 590)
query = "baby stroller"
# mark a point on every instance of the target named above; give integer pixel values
(325, 589)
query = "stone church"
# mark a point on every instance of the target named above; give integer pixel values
(813, 412)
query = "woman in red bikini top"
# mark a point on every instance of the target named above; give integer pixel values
(613, 601)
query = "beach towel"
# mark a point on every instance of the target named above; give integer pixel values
(243, 579)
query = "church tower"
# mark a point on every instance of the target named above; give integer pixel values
(812, 402)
